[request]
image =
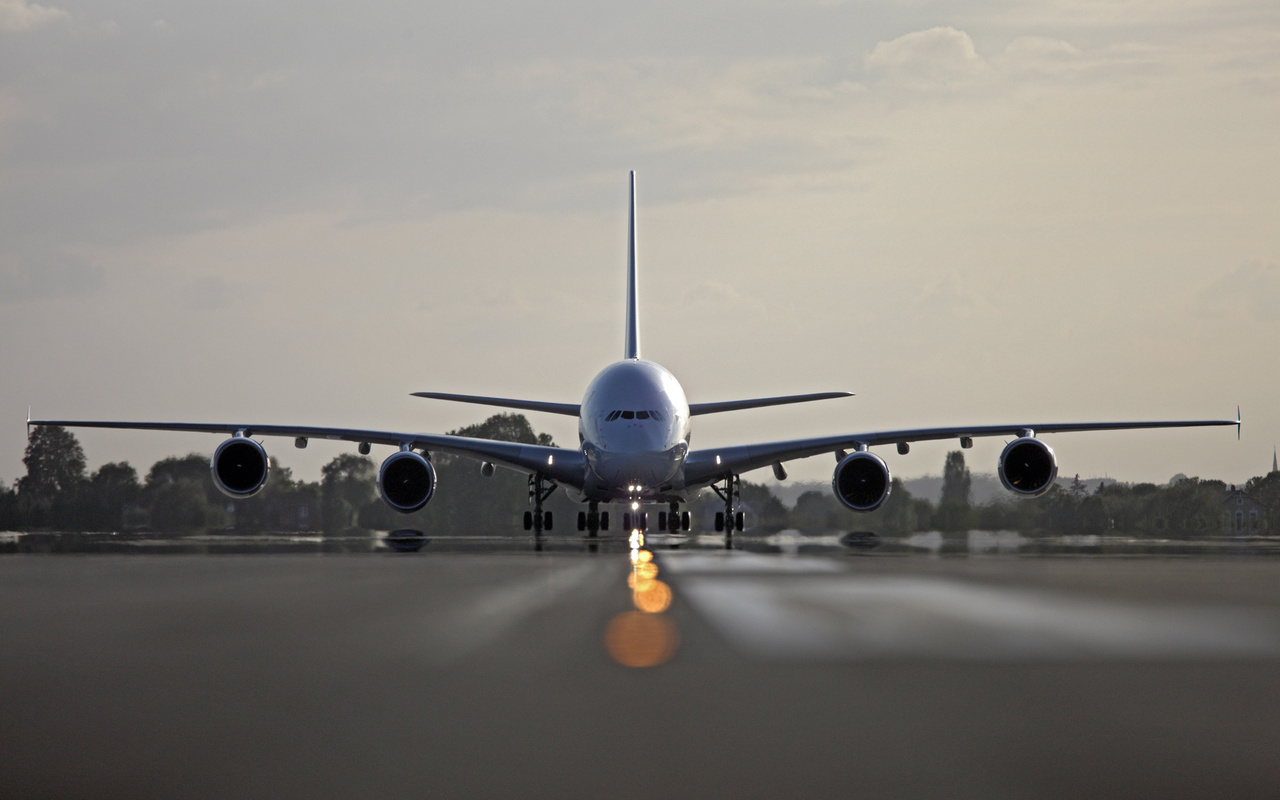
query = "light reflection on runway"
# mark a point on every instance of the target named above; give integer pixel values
(645, 636)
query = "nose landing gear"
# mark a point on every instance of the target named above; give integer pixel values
(593, 519)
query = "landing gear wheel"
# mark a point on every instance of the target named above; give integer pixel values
(582, 520)
(684, 521)
(528, 520)
(739, 521)
(719, 521)
(604, 520)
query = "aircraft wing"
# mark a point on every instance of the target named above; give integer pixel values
(760, 402)
(706, 466)
(561, 464)
(568, 409)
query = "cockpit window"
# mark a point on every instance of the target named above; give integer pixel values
(650, 414)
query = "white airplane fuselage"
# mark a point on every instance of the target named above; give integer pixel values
(634, 431)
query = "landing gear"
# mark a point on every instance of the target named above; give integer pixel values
(729, 520)
(673, 520)
(540, 488)
(592, 520)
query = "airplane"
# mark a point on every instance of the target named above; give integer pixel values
(634, 427)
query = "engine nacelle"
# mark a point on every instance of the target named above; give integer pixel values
(239, 467)
(1028, 467)
(406, 481)
(862, 481)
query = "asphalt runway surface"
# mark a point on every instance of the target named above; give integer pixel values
(966, 666)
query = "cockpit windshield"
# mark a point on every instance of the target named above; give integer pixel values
(632, 414)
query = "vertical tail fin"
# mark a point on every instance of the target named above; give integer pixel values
(633, 310)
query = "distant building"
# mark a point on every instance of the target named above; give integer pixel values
(1242, 513)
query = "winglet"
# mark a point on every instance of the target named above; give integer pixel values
(632, 347)
(1238, 422)
(28, 422)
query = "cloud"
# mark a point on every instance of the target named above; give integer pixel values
(52, 275)
(936, 58)
(1043, 55)
(950, 298)
(211, 293)
(19, 15)
(1251, 290)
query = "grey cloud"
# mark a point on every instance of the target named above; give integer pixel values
(1251, 290)
(18, 15)
(211, 293)
(51, 275)
(937, 58)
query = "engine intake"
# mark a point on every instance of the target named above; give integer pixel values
(239, 467)
(1028, 467)
(862, 481)
(406, 481)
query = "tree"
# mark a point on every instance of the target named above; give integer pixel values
(9, 517)
(1078, 490)
(49, 492)
(1266, 490)
(192, 467)
(182, 494)
(816, 511)
(954, 511)
(347, 487)
(180, 506)
(111, 490)
(957, 481)
(765, 511)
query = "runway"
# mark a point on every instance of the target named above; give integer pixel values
(969, 665)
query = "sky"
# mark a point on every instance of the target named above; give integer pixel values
(965, 212)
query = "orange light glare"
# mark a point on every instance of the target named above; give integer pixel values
(651, 596)
(636, 639)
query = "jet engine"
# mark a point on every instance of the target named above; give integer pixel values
(1028, 467)
(406, 481)
(239, 467)
(862, 481)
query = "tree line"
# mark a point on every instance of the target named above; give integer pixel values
(178, 494)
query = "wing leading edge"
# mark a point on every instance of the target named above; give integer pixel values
(568, 409)
(707, 466)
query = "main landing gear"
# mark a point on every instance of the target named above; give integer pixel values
(673, 520)
(729, 520)
(540, 488)
(593, 519)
